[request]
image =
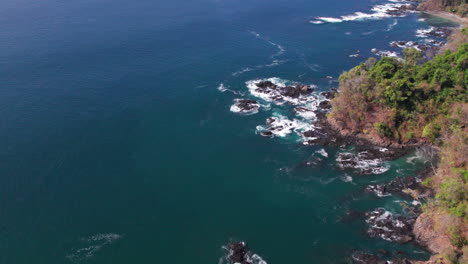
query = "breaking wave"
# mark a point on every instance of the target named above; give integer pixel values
(393, 9)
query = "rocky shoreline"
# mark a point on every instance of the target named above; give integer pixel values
(415, 227)
(420, 228)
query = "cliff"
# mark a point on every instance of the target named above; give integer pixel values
(410, 102)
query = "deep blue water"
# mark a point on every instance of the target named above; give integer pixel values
(117, 147)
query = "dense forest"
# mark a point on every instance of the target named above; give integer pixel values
(415, 101)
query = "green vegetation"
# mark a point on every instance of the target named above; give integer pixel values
(411, 100)
(407, 101)
(456, 236)
(459, 7)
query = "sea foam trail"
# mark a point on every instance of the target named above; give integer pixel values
(392, 25)
(91, 245)
(274, 61)
(222, 88)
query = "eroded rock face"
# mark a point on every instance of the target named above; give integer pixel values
(430, 231)
(395, 228)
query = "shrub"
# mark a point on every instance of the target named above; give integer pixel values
(383, 129)
(455, 233)
(431, 131)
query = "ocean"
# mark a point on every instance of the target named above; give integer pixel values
(118, 143)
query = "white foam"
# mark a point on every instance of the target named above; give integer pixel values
(322, 152)
(329, 19)
(241, 71)
(306, 113)
(354, 55)
(346, 178)
(271, 95)
(280, 48)
(255, 259)
(377, 191)
(235, 108)
(423, 33)
(281, 126)
(317, 22)
(378, 12)
(223, 89)
(386, 53)
(347, 160)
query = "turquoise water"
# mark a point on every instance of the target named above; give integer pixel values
(117, 146)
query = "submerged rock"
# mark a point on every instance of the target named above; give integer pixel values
(325, 105)
(359, 257)
(404, 186)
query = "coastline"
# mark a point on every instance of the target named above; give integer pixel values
(463, 21)
(427, 229)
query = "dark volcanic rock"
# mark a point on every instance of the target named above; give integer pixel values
(238, 252)
(325, 105)
(245, 106)
(291, 91)
(395, 228)
(305, 89)
(401, 10)
(330, 94)
(266, 133)
(266, 84)
(296, 91)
